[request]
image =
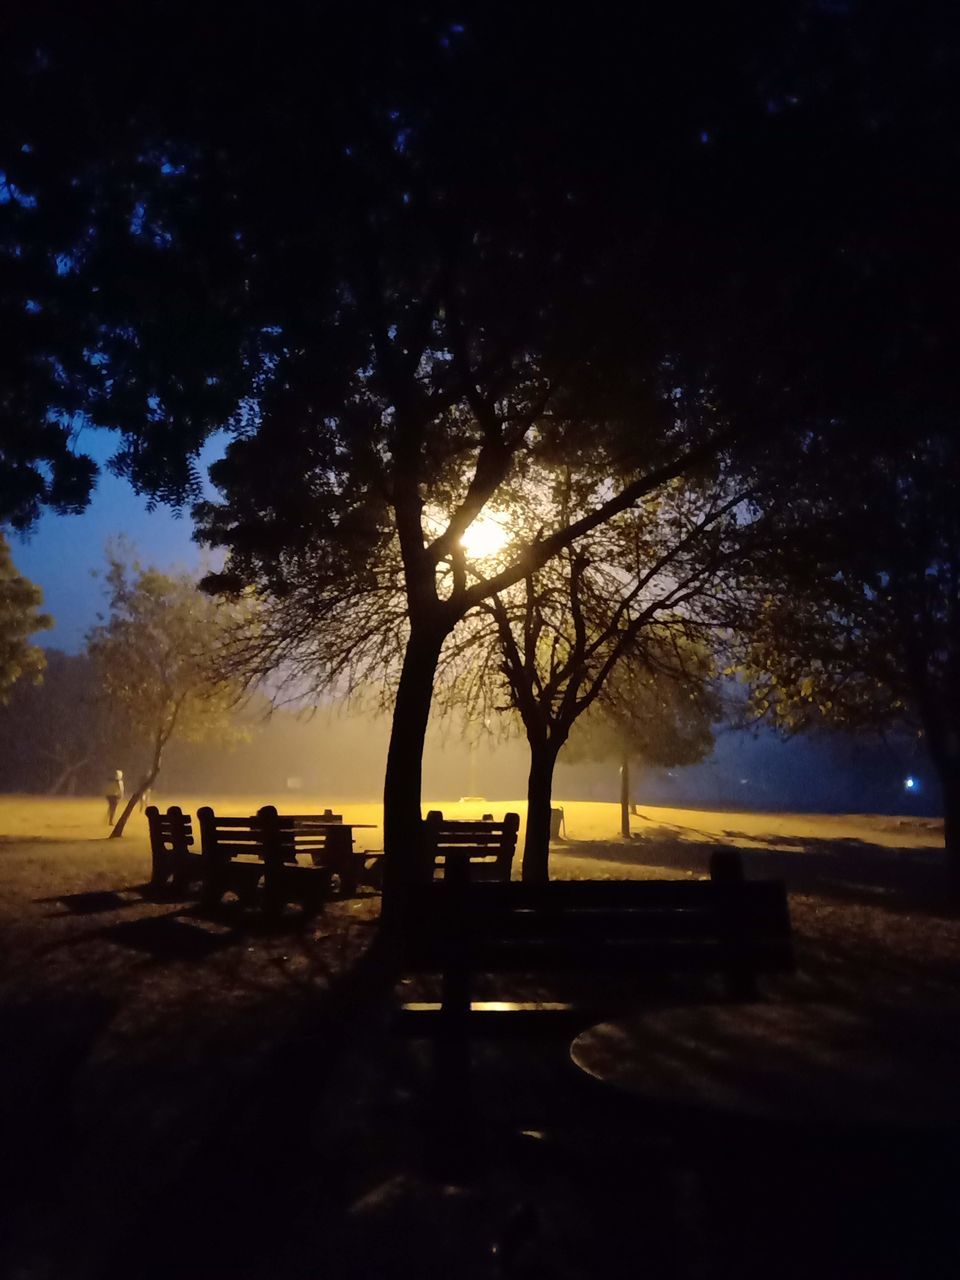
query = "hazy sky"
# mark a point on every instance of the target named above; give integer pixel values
(63, 551)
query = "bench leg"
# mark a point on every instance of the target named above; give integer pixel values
(159, 870)
(314, 900)
(452, 1138)
(211, 895)
(349, 873)
(183, 874)
(452, 1129)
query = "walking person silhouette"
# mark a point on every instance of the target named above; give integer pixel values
(114, 794)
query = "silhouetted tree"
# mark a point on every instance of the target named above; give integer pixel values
(155, 657)
(643, 594)
(58, 735)
(659, 710)
(443, 281)
(865, 630)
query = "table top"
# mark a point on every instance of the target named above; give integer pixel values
(344, 826)
(793, 1062)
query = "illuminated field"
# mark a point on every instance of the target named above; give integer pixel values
(82, 818)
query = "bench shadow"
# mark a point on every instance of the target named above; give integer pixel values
(97, 901)
(180, 935)
(189, 932)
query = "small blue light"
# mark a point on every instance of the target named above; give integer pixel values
(910, 783)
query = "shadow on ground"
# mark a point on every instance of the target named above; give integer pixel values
(204, 1095)
(848, 871)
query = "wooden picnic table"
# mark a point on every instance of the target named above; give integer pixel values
(785, 1062)
(340, 855)
(801, 1138)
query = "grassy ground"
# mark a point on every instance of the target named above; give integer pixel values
(200, 1095)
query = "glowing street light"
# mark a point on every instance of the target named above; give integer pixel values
(910, 783)
(486, 536)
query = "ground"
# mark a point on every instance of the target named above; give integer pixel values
(171, 1073)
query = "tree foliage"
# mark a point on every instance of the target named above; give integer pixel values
(864, 631)
(660, 711)
(20, 618)
(58, 735)
(156, 659)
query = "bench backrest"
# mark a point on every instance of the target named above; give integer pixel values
(171, 831)
(485, 849)
(256, 835)
(603, 924)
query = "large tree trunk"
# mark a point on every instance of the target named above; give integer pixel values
(404, 773)
(950, 787)
(625, 795)
(943, 746)
(536, 845)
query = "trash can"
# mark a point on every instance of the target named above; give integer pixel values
(556, 821)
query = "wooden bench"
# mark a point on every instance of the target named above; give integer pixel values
(239, 853)
(271, 846)
(486, 848)
(458, 929)
(173, 860)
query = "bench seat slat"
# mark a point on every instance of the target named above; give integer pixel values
(305, 828)
(624, 955)
(567, 895)
(455, 838)
(477, 826)
(311, 817)
(604, 929)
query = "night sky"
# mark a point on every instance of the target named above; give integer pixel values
(63, 552)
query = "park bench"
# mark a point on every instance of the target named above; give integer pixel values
(485, 848)
(239, 853)
(174, 862)
(459, 929)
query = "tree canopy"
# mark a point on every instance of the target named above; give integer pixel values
(20, 618)
(155, 657)
(659, 707)
(58, 735)
(860, 627)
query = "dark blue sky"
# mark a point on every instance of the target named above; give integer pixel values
(62, 553)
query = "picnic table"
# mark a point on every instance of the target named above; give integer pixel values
(802, 1138)
(785, 1062)
(238, 853)
(339, 855)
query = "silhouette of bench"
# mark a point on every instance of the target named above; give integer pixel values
(260, 853)
(266, 851)
(486, 848)
(173, 860)
(458, 928)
